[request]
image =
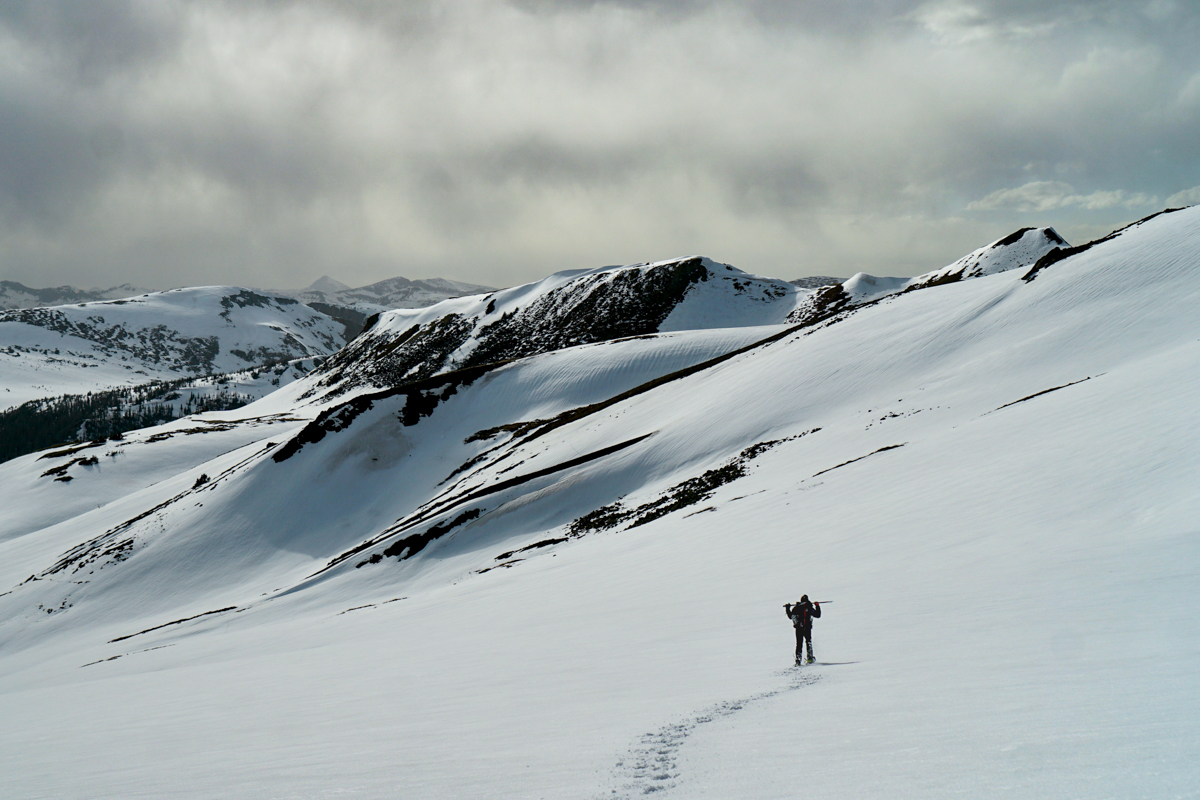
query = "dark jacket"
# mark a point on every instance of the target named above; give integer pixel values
(802, 615)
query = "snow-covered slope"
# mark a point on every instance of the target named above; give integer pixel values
(561, 575)
(164, 335)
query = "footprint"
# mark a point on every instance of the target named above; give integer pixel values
(651, 765)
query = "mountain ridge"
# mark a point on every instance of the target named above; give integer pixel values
(14, 295)
(396, 292)
(561, 310)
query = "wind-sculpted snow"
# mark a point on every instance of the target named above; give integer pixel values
(1065, 251)
(992, 478)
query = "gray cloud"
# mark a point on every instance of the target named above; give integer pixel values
(1051, 195)
(266, 143)
(1188, 197)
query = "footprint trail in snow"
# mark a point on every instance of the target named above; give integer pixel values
(651, 766)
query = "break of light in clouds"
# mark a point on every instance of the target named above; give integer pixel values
(173, 143)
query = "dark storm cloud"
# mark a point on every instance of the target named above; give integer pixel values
(267, 142)
(94, 38)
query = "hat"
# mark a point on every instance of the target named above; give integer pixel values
(804, 599)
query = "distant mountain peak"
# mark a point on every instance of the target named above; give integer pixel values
(397, 292)
(326, 284)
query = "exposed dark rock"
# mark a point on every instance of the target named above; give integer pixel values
(1015, 237)
(246, 298)
(593, 308)
(821, 305)
(816, 281)
(411, 545)
(596, 308)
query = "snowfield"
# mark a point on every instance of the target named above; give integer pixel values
(561, 574)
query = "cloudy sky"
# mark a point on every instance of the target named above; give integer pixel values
(170, 143)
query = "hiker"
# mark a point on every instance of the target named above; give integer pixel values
(802, 614)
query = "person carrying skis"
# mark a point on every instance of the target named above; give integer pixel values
(802, 614)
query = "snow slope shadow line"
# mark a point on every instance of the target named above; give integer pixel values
(653, 764)
(1039, 394)
(680, 496)
(341, 416)
(860, 458)
(575, 414)
(122, 655)
(172, 622)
